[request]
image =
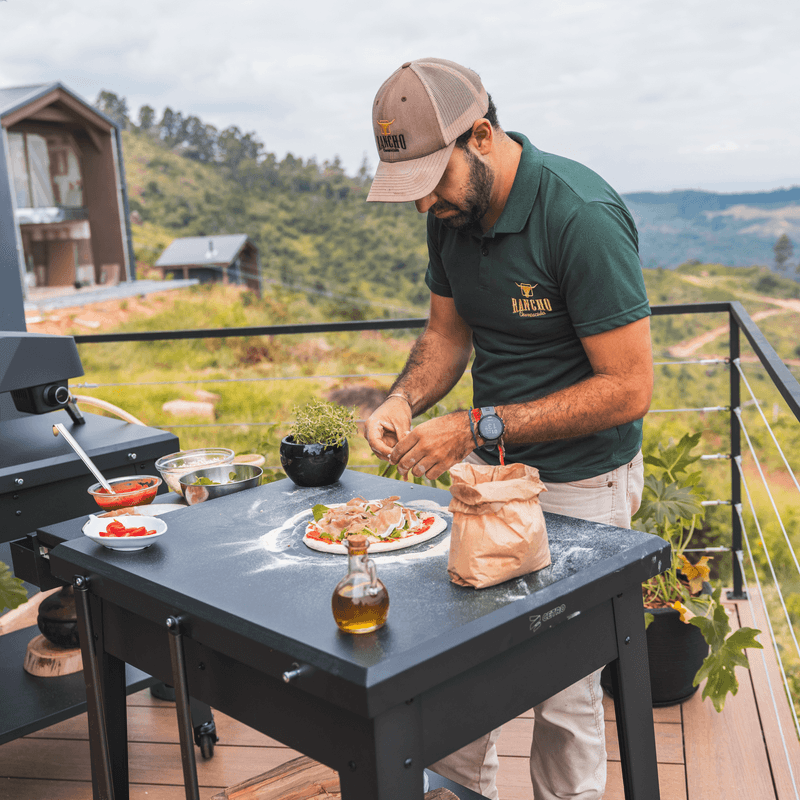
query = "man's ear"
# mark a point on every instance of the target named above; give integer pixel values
(483, 136)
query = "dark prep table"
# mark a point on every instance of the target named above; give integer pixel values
(249, 606)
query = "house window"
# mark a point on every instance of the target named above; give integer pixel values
(19, 170)
(65, 172)
(46, 171)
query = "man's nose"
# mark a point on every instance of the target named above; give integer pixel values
(424, 203)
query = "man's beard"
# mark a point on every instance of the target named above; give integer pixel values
(477, 197)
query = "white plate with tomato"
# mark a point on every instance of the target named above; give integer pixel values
(126, 533)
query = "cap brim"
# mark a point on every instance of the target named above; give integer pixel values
(402, 181)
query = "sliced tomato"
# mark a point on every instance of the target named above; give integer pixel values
(117, 530)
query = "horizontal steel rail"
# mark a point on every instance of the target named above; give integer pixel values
(260, 330)
(777, 370)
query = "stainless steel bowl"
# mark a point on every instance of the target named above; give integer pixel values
(245, 476)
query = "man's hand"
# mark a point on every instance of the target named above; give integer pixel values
(387, 425)
(434, 446)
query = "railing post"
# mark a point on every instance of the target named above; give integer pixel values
(736, 451)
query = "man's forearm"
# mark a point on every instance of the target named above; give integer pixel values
(593, 405)
(434, 366)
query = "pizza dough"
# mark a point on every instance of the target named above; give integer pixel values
(438, 525)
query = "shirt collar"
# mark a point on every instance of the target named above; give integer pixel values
(524, 189)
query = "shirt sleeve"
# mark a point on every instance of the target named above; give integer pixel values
(435, 277)
(599, 269)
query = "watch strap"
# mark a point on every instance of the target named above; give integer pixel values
(475, 415)
(470, 415)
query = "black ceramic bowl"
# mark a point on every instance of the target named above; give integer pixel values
(313, 464)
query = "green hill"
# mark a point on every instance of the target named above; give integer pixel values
(311, 223)
(735, 229)
(314, 229)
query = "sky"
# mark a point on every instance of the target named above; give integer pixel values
(653, 95)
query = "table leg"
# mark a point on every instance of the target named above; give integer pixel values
(182, 704)
(386, 761)
(104, 676)
(630, 676)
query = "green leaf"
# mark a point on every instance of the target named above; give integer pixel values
(727, 652)
(319, 511)
(444, 479)
(12, 590)
(667, 503)
(648, 618)
(675, 458)
(718, 670)
(389, 471)
(700, 605)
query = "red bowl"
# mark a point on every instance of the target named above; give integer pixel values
(133, 490)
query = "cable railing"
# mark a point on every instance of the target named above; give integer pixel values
(743, 556)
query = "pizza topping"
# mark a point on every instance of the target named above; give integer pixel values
(379, 520)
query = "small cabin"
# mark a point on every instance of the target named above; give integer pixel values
(63, 198)
(229, 259)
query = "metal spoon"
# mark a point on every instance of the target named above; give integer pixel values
(59, 428)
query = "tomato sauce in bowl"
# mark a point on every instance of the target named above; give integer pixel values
(128, 491)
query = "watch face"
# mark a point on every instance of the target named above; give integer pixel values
(490, 428)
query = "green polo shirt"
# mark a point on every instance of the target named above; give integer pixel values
(560, 263)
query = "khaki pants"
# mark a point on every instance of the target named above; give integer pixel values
(568, 751)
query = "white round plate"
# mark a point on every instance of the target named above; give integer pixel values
(93, 527)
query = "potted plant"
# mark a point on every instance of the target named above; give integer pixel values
(689, 636)
(316, 451)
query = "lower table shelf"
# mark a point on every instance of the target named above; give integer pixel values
(31, 703)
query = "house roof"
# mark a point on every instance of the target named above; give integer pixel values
(14, 98)
(195, 250)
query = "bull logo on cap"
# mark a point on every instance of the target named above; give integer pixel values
(385, 123)
(527, 289)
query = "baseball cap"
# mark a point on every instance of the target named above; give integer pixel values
(418, 114)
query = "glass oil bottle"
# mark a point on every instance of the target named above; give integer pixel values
(360, 601)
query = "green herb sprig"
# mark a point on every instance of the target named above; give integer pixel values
(322, 422)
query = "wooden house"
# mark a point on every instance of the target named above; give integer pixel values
(230, 259)
(63, 200)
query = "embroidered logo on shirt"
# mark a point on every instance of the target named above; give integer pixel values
(527, 289)
(528, 305)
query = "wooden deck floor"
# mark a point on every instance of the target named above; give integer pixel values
(702, 755)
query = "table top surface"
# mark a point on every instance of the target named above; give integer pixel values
(239, 563)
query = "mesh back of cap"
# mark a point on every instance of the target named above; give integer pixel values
(456, 97)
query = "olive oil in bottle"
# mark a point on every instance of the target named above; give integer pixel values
(360, 601)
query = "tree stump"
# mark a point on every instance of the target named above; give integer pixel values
(300, 779)
(47, 660)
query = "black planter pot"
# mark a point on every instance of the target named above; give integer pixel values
(675, 651)
(313, 464)
(58, 619)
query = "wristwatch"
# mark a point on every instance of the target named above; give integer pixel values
(490, 426)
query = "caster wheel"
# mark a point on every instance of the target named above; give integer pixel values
(207, 745)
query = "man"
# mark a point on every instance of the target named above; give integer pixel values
(533, 264)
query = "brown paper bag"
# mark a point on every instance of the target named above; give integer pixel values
(498, 525)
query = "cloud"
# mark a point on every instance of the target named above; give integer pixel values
(650, 100)
(725, 146)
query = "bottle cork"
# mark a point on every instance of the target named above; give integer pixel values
(356, 543)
